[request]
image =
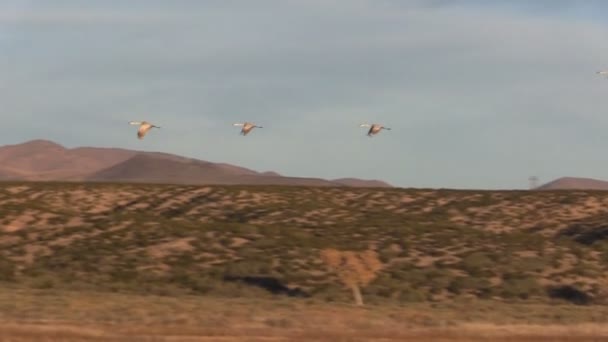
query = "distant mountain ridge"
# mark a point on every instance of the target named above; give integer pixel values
(575, 183)
(43, 160)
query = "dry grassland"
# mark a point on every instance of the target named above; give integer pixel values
(117, 262)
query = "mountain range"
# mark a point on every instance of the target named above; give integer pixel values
(43, 160)
(575, 183)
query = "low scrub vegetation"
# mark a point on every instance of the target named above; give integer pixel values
(267, 241)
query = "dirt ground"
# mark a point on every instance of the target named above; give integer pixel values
(50, 315)
(58, 331)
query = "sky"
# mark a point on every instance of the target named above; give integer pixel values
(479, 94)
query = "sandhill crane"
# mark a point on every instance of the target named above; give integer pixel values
(603, 73)
(144, 127)
(247, 127)
(373, 129)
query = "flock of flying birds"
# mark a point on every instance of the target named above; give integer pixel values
(247, 127)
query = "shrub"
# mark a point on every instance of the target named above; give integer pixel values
(477, 286)
(476, 262)
(7, 269)
(247, 268)
(520, 287)
(569, 293)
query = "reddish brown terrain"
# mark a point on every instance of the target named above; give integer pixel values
(574, 183)
(153, 262)
(42, 160)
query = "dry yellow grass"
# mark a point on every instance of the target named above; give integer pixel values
(89, 316)
(63, 333)
(59, 331)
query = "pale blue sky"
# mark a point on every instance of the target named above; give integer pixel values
(480, 94)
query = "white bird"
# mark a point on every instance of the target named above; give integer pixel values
(247, 127)
(144, 127)
(373, 129)
(603, 73)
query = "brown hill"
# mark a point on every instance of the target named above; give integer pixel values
(355, 182)
(271, 173)
(46, 160)
(42, 160)
(7, 175)
(573, 183)
(160, 168)
(163, 168)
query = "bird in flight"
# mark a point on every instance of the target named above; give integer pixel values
(373, 129)
(247, 127)
(603, 73)
(144, 127)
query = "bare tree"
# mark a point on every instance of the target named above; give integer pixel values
(354, 269)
